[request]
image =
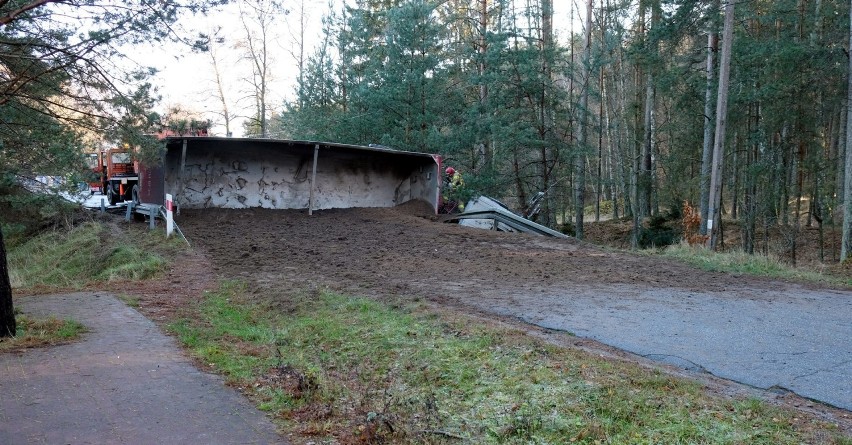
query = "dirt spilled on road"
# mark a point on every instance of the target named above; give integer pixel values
(404, 252)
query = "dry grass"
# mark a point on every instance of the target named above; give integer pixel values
(85, 255)
(41, 332)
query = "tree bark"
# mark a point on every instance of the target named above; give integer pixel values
(843, 132)
(646, 182)
(846, 243)
(580, 158)
(624, 146)
(485, 145)
(27, 7)
(599, 185)
(650, 136)
(750, 198)
(636, 175)
(735, 201)
(714, 213)
(7, 311)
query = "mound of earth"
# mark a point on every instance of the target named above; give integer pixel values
(405, 252)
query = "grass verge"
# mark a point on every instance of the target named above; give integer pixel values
(88, 253)
(351, 370)
(39, 332)
(738, 261)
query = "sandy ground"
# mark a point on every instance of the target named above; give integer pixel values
(624, 300)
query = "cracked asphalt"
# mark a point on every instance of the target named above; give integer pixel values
(788, 337)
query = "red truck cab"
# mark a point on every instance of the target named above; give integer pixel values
(121, 178)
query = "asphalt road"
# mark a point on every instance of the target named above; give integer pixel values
(784, 337)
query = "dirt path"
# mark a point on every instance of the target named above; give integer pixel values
(760, 332)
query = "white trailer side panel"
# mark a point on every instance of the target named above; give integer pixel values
(231, 173)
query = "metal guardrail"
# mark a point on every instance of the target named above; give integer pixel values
(510, 219)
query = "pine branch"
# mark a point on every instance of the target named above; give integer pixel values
(13, 15)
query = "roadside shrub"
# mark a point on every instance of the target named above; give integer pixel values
(664, 229)
(568, 229)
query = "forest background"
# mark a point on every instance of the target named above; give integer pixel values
(620, 122)
(615, 121)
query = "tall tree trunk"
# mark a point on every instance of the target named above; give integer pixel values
(485, 149)
(7, 311)
(547, 121)
(638, 138)
(219, 79)
(612, 194)
(788, 169)
(649, 138)
(735, 179)
(646, 183)
(721, 123)
(817, 213)
(623, 145)
(519, 182)
(298, 53)
(580, 158)
(843, 133)
(599, 185)
(257, 20)
(846, 243)
(798, 187)
(750, 198)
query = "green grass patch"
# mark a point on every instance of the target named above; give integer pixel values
(737, 261)
(38, 332)
(364, 372)
(88, 253)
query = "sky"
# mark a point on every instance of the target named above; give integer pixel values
(185, 78)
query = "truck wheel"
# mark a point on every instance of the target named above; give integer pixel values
(134, 195)
(112, 196)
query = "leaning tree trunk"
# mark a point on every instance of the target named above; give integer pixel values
(7, 312)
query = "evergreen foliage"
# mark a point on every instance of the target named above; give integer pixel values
(64, 87)
(504, 105)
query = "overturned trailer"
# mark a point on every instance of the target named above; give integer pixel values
(204, 172)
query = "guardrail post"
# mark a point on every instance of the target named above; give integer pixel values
(170, 222)
(129, 211)
(153, 220)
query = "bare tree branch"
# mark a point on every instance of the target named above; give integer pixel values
(11, 16)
